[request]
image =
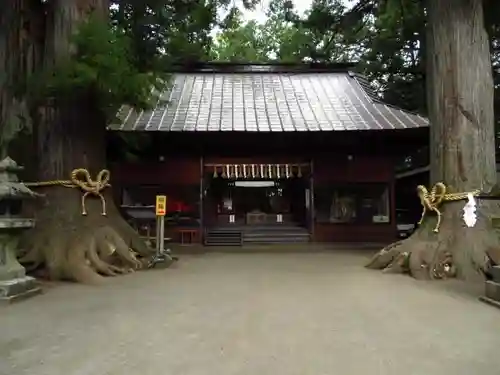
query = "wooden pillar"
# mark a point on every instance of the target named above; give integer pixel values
(392, 197)
(392, 203)
(312, 214)
(201, 200)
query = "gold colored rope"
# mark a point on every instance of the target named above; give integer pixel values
(80, 178)
(431, 201)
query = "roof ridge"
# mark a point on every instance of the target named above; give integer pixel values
(256, 67)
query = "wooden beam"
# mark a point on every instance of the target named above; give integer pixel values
(425, 169)
(413, 172)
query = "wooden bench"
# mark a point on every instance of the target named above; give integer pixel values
(188, 234)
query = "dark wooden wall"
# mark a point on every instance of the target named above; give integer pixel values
(339, 168)
(175, 171)
(373, 159)
(360, 169)
(255, 159)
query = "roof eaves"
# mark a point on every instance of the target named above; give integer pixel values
(370, 93)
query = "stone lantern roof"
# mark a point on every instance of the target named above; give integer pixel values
(10, 187)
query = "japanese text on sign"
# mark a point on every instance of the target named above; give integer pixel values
(161, 205)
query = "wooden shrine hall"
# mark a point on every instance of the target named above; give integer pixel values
(268, 153)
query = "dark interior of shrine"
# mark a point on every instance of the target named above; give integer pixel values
(262, 201)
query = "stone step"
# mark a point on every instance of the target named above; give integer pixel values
(276, 240)
(495, 273)
(219, 244)
(490, 301)
(223, 238)
(493, 290)
(276, 234)
(18, 289)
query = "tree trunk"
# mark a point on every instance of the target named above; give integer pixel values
(70, 133)
(462, 149)
(21, 22)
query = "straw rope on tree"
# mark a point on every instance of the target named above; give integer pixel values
(80, 178)
(101, 251)
(426, 254)
(431, 200)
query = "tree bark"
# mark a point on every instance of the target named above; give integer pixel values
(70, 133)
(462, 147)
(21, 23)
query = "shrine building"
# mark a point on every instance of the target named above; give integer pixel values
(268, 153)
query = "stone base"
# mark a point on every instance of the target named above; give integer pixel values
(492, 290)
(490, 301)
(18, 289)
(495, 273)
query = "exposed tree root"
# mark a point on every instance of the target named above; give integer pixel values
(82, 248)
(456, 251)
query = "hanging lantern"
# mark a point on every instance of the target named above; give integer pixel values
(253, 170)
(299, 172)
(287, 171)
(236, 174)
(244, 166)
(226, 173)
(261, 170)
(216, 174)
(270, 171)
(278, 171)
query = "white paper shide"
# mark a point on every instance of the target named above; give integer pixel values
(469, 216)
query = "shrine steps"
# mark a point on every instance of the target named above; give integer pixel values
(223, 237)
(278, 234)
(256, 234)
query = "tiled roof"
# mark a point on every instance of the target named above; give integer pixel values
(268, 101)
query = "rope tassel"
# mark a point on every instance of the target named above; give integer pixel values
(80, 178)
(90, 186)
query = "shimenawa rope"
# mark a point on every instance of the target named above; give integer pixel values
(80, 178)
(432, 200)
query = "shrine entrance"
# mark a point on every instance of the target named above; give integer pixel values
(258, 197)
(259, 202)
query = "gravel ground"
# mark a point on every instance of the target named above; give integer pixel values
(253, 314)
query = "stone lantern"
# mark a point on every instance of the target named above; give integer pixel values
(14, 284)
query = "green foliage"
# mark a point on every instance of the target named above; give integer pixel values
(241, 43)
(396, 52)
(396, 49)
(102, 64)
(283, 37)
(173, 31)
